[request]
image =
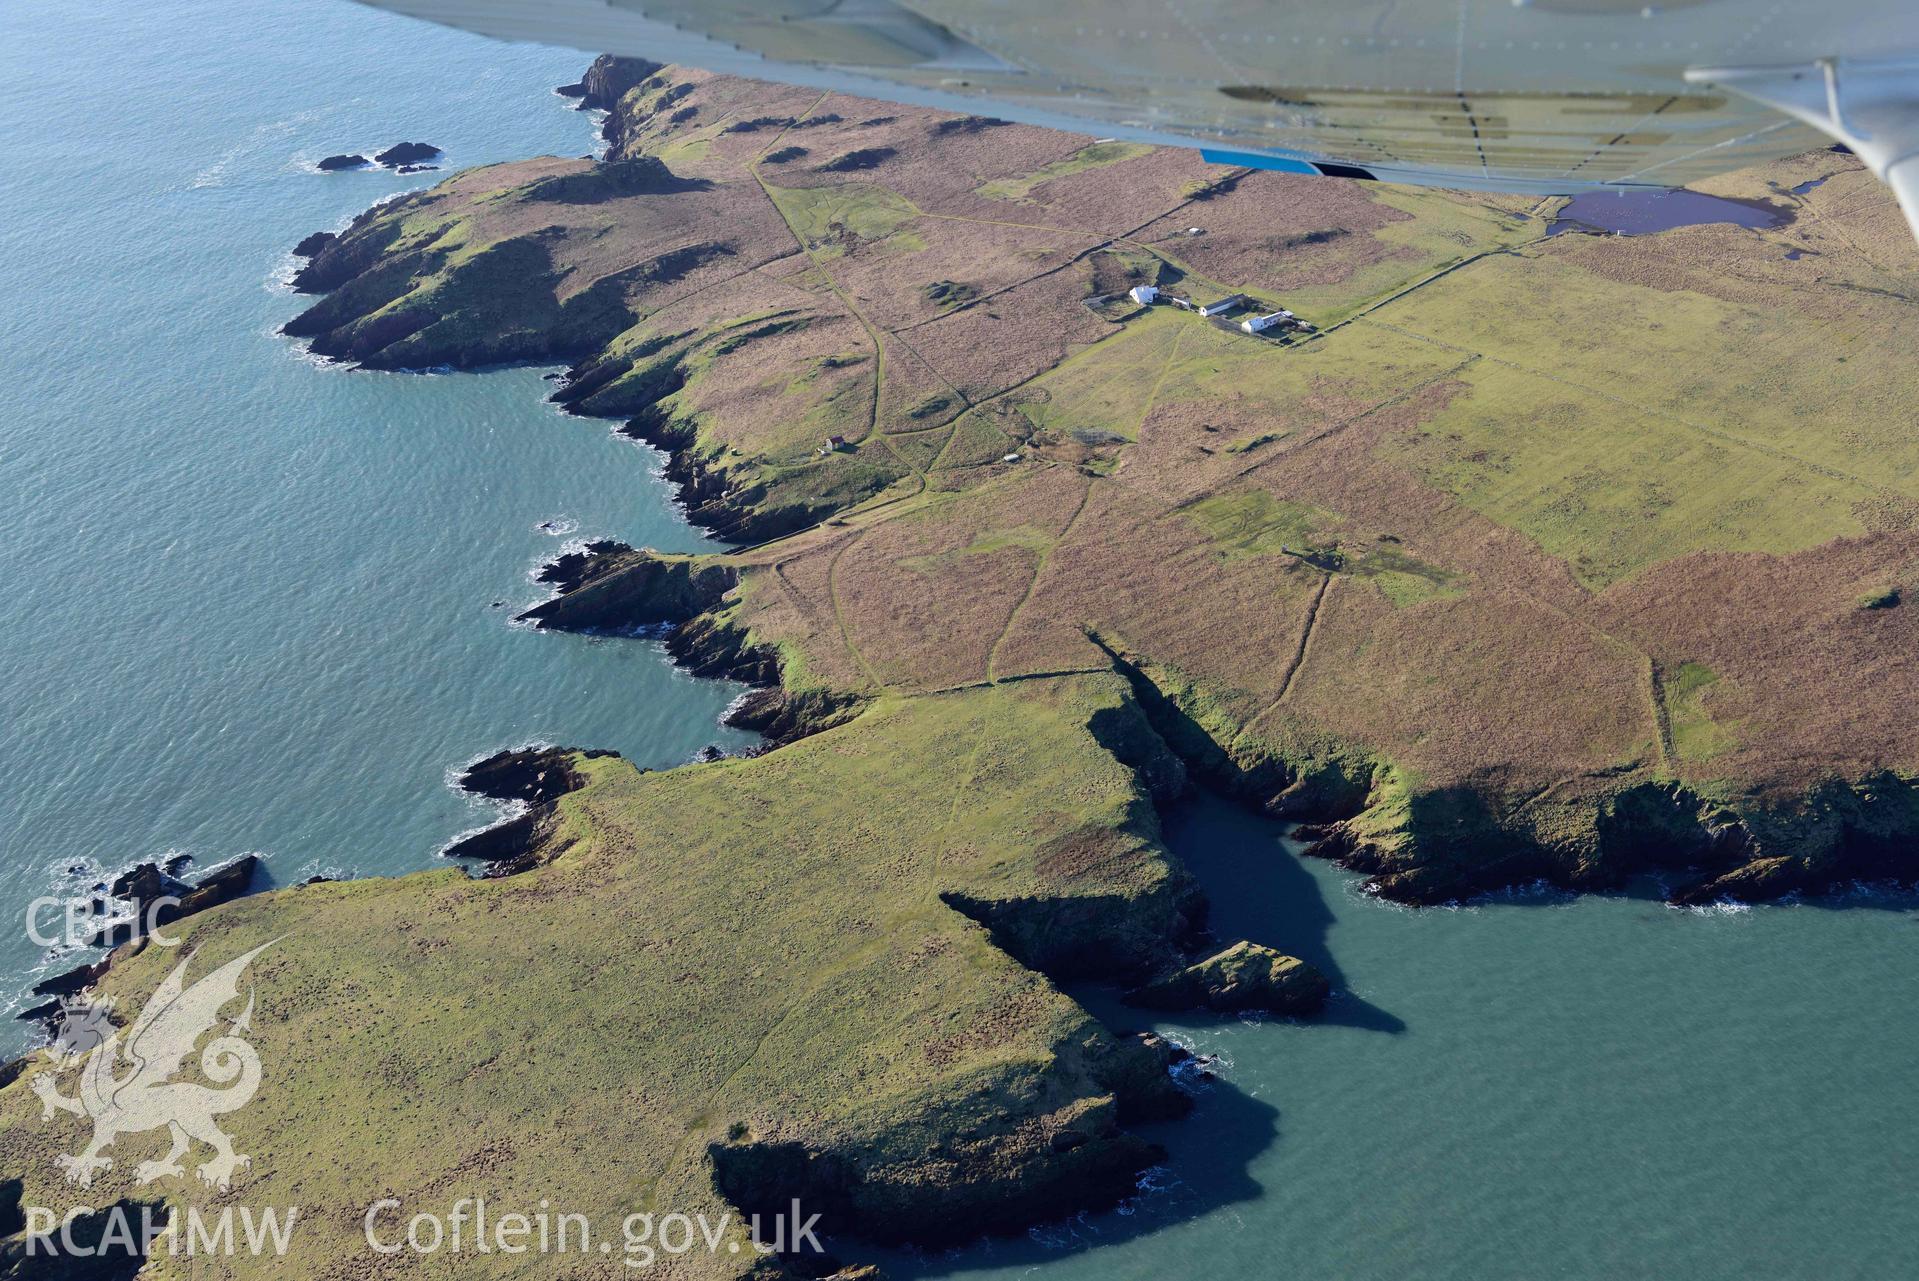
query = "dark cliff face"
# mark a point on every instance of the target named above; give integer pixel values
(607, 81)
(536, 777)
(569, 261)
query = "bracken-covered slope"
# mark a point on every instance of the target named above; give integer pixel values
(1544, 556)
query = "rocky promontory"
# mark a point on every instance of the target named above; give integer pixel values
(313, 244)
(609, 586)
(145, 896)
(568, 261)
(535, 778)
(607, 80)
(872, 1036)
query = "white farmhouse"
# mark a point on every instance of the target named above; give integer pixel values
(1145, 295)
(1260, 324)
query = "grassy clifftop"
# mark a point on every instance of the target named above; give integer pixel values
(741, 976)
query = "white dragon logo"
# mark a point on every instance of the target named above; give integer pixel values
(144, 1097)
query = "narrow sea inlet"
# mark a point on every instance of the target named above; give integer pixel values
(1532, 1086)
(249, 602)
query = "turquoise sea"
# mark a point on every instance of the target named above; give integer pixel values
(247, 603)
(1535, 1086)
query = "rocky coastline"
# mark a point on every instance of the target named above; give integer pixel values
(608, 587)
(1416, 843)
(1419, 854)
(974, 1185)
(1445, 847)
(1420, 851)
(1415, 847)
(412, 285)
(148, 896)
(606, 81)
(708, 493)
(534, 778)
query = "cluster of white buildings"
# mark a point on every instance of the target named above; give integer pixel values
(1147, 295)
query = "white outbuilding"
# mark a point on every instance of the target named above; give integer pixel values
(1145, 295)
(1260, 324)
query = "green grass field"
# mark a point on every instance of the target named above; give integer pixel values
(1096, 156)
(1696, 736)
(1611, 488)
(1822, 389)
(1269, 389)
(1251, 522)
(1107, 390)
(1621, 426)
(1443, 230)
(865, 209)
(721, 954)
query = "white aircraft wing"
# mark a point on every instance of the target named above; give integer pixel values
(1537, 96)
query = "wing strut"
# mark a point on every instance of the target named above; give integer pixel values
(1872, 107)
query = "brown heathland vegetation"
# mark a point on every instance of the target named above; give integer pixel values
(1528, 524)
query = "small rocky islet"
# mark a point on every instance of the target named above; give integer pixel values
(403, 157)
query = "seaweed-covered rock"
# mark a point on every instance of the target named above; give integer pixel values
(346, 160)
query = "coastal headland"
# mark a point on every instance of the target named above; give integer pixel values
(1534, 557)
